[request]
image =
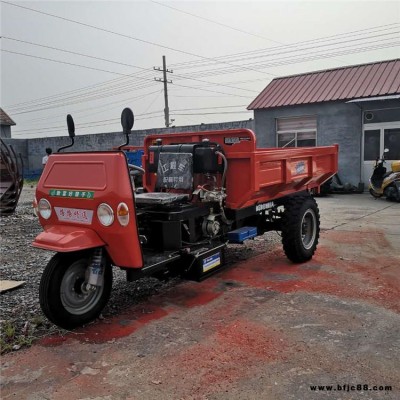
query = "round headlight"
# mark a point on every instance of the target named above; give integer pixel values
(105, 214)
(123, 214)
(44, 208)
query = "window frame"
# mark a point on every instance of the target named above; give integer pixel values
(296, 131)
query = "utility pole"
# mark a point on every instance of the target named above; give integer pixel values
(165, 81)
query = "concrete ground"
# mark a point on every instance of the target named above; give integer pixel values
(261, 329)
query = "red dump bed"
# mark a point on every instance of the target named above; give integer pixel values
(259, 175)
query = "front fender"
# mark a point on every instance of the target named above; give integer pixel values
(62, 238)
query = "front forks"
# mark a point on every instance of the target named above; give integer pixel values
(96, 270)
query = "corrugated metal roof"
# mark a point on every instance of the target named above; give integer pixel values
(346, 83)
(5, 119)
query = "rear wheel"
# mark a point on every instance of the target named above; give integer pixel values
(63, 295)
(300, 228)
(374, 194)
(392, 193)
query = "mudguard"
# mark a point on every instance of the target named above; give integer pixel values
(62, 238)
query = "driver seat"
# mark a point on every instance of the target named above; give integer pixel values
(174, 171)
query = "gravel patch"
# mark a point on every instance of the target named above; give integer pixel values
(21, 319)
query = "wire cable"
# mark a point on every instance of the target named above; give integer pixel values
(120, 34)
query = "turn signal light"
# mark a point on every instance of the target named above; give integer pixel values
(123, 214)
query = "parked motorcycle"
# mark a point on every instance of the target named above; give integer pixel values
(385, 184)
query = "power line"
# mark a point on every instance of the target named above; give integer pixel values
(210, 108)
(213, 113)
(78, 126)
(111, 61)
(89, 123)
(205, 74)
(75, 53)
(98, 108)
(68, 63)
(215, 22)
(120, 34)
(291, 60)
(145, 114)
(110, 82)
(379, 28)
(296, 50)
(183, 76)
(117, 73)
(214, 91)
(88, 96)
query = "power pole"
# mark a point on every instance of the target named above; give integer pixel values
(165, 81)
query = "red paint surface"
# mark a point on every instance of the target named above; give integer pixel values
(52, 341)
(114, 328)
(193, 294)
(186, 295)
(363, 277)
(360, 277)
(228, 355)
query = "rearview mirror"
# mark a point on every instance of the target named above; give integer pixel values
(71, 126)
(127, 120)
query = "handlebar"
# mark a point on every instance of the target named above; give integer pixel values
(136, 168)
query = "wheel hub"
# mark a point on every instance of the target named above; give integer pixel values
(73, 291)
(308, 228)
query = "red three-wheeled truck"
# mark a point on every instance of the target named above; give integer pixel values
(201, 191)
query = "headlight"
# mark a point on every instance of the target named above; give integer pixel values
(44, 208)
(35, 207)
(105, 214)
(123, 214)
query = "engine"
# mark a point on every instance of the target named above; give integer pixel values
(187, 205)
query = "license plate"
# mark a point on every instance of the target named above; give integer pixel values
(67, 214)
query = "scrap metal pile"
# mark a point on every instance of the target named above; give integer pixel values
(11, 179)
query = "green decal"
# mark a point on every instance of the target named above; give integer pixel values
(76, 194)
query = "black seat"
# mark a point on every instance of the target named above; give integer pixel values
(174, 171)
(160, 198)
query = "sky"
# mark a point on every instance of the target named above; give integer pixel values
(91, 59)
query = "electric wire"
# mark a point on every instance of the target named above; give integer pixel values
(297, 44)
(119, 63)
(209, 72)
(122, 35)
(205, 73)
(215, 22)
(49, 97)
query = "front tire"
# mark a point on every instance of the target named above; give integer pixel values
(62, 292)
(300, 228)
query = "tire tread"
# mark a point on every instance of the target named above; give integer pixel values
(293, 247)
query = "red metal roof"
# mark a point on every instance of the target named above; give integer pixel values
(346, 83)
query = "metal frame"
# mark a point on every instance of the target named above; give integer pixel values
(297, 130)
(372, 127)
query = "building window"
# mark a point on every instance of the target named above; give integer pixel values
(372, 139)
(296, 132)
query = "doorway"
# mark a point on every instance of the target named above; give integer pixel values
(376, 138)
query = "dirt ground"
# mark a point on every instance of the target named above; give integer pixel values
(263, 328)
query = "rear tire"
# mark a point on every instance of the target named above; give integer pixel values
(62, 294)
(374, 194)
(300, 228)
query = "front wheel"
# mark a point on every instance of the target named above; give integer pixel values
(300, 228)
(63, 294)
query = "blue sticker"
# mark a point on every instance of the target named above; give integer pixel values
(211, 262)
